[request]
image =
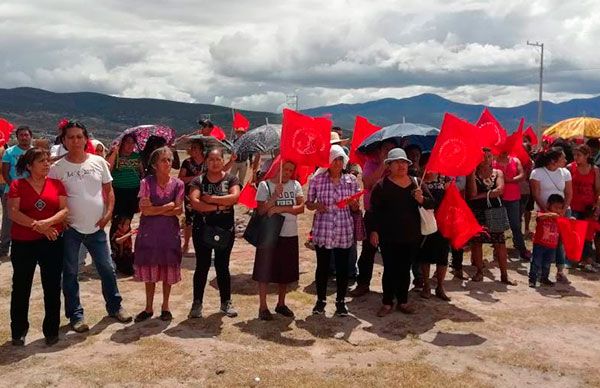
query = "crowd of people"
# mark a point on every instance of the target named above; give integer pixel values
(57, 203)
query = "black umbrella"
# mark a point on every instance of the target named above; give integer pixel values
(263, 139)
(423, 135)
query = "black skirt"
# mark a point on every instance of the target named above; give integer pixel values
(279, 263)
(434, 249)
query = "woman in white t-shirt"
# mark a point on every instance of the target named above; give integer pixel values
(278, 263)
(552, 178)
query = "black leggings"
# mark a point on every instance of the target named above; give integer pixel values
(203, 260)
(25, 255)
(340, 255)
(397, 261)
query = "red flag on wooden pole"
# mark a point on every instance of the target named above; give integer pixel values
(530, 133)
(305, 140)
(218, 133)
(240, 122)
(5, 130)
(491, 133)
(248, 196)
(362, 129)
(455, 220)
(457, 150)
(572, 235)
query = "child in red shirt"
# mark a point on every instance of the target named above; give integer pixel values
(545, 241)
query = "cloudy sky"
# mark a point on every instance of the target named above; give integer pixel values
(250, 54)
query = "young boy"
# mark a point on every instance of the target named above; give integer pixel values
(545, 241)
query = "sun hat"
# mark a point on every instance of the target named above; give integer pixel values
(397, 154)
(335, 139)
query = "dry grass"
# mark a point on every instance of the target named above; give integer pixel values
(489, 335)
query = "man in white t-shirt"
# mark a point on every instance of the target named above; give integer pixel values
(90, 200)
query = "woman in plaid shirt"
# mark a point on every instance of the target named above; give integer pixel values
(333, 227)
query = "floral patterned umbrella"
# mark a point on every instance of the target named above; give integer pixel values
(143, 132)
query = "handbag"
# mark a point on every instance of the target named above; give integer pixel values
(214, 236)
(496, 218)
(263, 230)
(428, 222)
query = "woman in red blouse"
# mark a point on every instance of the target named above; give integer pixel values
(37, 207)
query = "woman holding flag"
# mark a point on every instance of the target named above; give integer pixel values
(333, 227)
(485, 187)
(279, 263)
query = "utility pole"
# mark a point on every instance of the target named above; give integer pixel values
(539, 118)
(291, 100)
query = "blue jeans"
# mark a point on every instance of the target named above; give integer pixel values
(97, 244)
(513, 209)
(541, 260)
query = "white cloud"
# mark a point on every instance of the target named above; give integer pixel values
(252, 54)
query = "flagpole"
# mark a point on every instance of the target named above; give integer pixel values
(232, 122)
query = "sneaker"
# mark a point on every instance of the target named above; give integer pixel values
(227, 309)
(265, 315)
(406, 309)
(384, 310)
(122, 316)
(359, 291)
(340, 309)
(52, 340)
(80, 326)
(590, 268)
(319, 308)
(285, 311)
(547, 282)
(196, 310)
(531, 284)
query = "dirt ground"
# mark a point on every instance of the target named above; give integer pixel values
(489, 335)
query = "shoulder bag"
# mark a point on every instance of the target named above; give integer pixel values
(263, 230)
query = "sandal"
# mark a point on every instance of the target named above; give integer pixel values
(440, 293)
(384, 310)
(505, 280)
(406, 309)
(144, 315)
(166, 316)
(426, 292)
(478, 277)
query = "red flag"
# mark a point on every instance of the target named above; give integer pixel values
(455, 220)
(514, 146)
(218, 133)
(305, 140)
(362, 129)
(572, 235)
(344, 202)
(457, 150)
(530, 133)
(240, 122)
(301, 175)
(5, 130)
(491, 133)
(248, 196)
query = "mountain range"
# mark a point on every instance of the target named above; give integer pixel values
(107, 115)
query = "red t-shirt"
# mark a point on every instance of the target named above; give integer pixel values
(546, 232)
(34, 205)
